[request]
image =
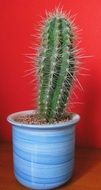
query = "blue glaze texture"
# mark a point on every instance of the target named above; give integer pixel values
(43, 157)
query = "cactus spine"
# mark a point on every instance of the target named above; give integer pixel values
(56, 66)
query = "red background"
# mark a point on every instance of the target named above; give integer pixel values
(19, 18)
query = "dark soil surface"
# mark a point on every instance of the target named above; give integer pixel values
(35, 119)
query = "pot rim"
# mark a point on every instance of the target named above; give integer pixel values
(75, 119)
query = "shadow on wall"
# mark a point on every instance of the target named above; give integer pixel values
(90, 127)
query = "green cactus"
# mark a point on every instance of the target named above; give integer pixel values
(56, 62)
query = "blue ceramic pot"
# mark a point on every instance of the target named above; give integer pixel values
(43, 154)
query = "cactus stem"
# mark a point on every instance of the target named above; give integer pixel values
(56, 58)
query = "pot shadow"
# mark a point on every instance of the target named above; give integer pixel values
(86, 160)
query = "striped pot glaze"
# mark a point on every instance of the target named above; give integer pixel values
(43, 154)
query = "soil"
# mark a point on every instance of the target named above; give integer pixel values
(35, 119)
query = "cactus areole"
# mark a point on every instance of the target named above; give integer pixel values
(56, 61)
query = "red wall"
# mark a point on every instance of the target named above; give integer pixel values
(19, 18)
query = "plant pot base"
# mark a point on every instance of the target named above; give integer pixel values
(42, 186)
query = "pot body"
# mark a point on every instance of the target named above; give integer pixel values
(43, 156)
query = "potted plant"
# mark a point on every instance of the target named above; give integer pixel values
(44, 139)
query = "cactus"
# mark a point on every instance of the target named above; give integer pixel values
(56, 61)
